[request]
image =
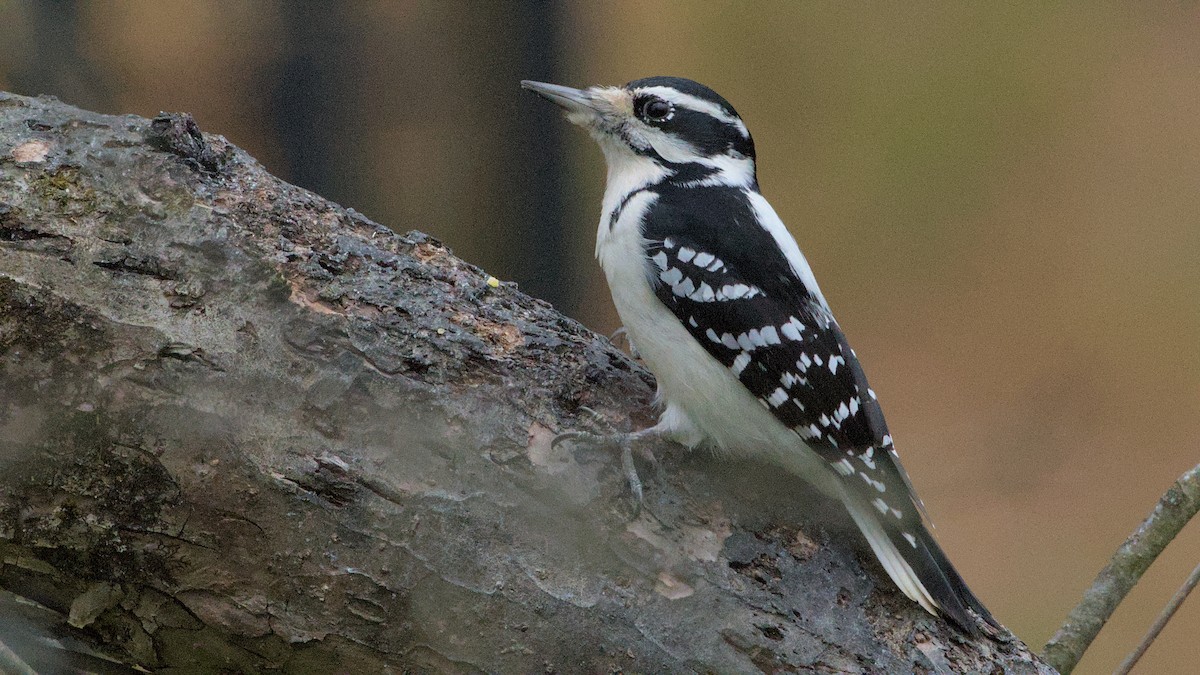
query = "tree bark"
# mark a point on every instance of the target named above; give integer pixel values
(245, 429)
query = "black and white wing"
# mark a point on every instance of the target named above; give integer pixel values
(756, 310)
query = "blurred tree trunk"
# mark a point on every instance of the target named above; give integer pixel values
(312, 92)
(56, 63)
(245, 429)
(533, 171)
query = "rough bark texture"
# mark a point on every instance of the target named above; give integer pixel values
(245, 429)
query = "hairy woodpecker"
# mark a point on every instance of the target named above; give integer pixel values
(726, 313)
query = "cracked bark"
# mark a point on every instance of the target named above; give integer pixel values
(244, 428)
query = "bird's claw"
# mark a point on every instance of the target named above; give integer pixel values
(622, 440)
(579, 436)
(586, 437)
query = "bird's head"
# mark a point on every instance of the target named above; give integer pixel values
(683, 126)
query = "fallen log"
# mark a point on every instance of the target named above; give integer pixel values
(245, 429)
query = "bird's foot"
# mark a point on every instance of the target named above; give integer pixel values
(624, 441)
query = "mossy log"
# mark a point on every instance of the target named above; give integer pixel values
(244, 429)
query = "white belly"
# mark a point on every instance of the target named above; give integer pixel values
(704, 402)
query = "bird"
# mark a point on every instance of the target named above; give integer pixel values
(725, 311)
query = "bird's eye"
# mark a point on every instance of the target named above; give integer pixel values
(656, 109)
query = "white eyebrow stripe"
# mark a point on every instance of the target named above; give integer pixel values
(698, 104)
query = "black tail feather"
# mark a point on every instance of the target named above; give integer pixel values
(955, 597)
(919, 567)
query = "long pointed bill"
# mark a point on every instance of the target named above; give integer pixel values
(572, 100)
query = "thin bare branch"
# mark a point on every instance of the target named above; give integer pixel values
(1160, 623)
(1123, 571)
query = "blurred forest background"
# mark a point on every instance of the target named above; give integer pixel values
(1002, 202)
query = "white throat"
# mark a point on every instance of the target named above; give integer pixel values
(628, 172)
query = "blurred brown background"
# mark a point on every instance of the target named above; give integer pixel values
(1002, 204)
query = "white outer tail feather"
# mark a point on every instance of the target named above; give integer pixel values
(893, 562)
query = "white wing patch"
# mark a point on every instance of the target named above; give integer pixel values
(740, 362)
(684, 287)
